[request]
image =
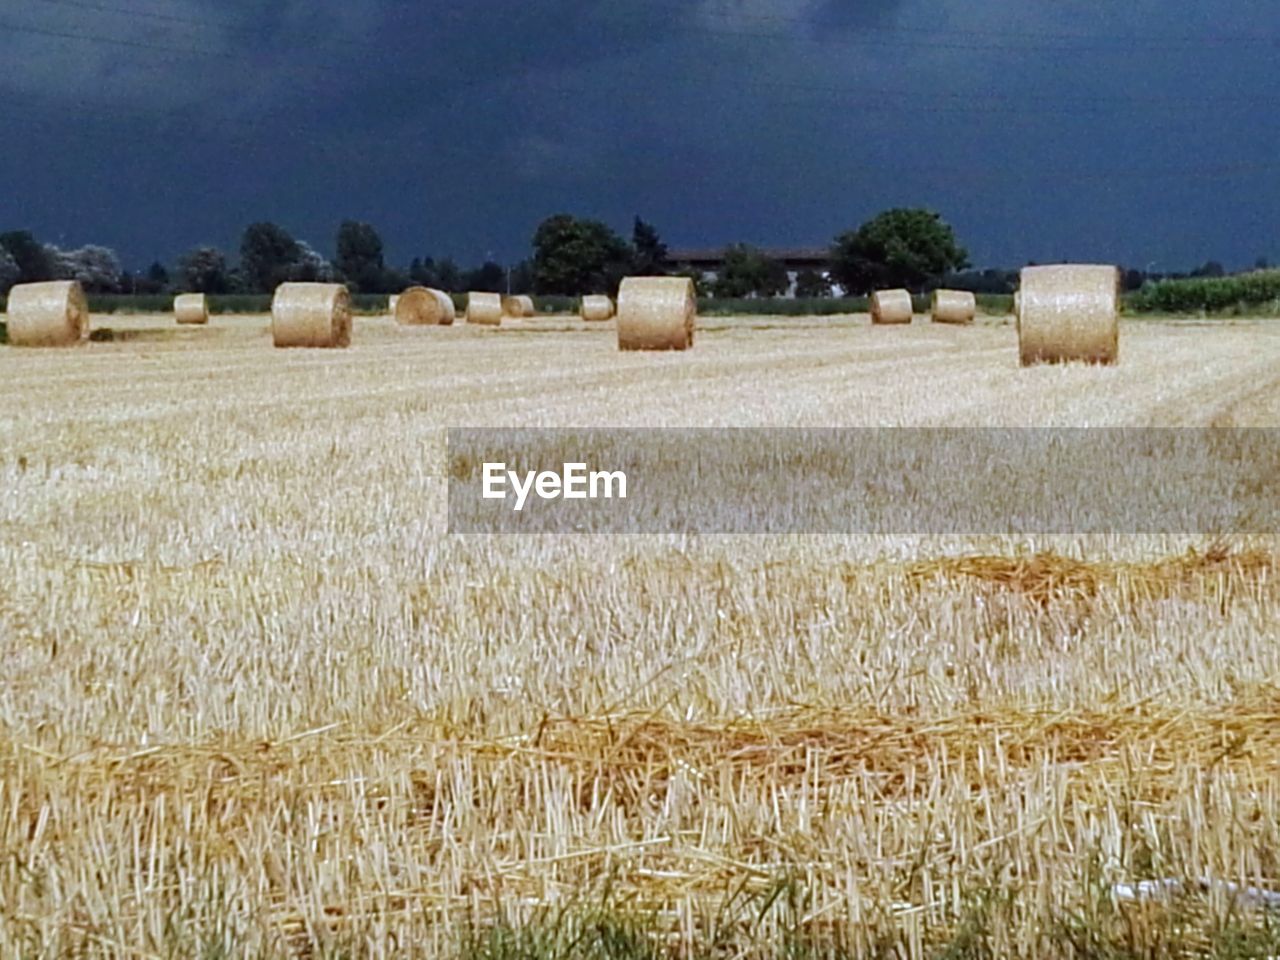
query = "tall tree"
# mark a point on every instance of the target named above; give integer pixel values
(31, 256)
(96, 269)
(747, 272)
(204, 270)
(360, 257)
(910, 248)
(489, 277)
(9, 271)
(810, 284)
(649, 253)
(572, 257)
(448, 276)
(267, 253)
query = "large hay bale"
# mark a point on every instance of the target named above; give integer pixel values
(595, 308)
(484, 308)
(311, 315)
(518, 306)
(954, 306)
(891, 306)
(1069, 312)
(52, 314)
(191, 308)
(424, 307)
(656, 313)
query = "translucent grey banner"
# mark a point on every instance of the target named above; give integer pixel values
(864, 481)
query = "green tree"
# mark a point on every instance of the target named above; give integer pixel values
(700, 285)
(649, 253)
(810, 284)
(898, 248)
(573, 257)
(9, 272)
(158, 275)
(32, 257)
(204, 270)
(360, 257)
(490, 277)
(747, 272)
(521, 277)
(448, 276)
(267, 252)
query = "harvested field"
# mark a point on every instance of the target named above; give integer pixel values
(256, 701)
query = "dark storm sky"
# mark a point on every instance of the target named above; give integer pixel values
(1140, 132)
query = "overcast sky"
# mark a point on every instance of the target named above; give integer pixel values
(1142, 132)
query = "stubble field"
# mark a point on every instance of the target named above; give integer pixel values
(256, 702)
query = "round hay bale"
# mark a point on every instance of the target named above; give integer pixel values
(891, 306)
(954, 306)
(448, 311)
(656, 313)
(596, 308)
(311, 315)
(484, 308)
(191, 308)
(518, 306)
(1069, 312)
(423, 307)
(392, 302)
(52, 314)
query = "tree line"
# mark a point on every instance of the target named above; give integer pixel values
(912, 248)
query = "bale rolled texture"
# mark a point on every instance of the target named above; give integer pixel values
(954, 306)
(311, 315)
(1069, 312)
(191, 308)
(518, 306)
(656, 313)
(423, 307)
(392, 302)
(484, 308)
(595, 308)
(448, 311)
(891, 306)
(52, 314)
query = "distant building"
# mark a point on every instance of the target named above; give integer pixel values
(710, 261)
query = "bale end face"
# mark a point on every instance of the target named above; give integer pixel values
(656, 313)
(1069, 313)
(311, 315)
(891, 307)
(518, 307)
(423, 307)
(51, 314)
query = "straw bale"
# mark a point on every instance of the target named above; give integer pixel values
(596, 308)
(891, 306)
(954, 306)
(52, 314)
(518, 306)
(484, 308)
(656, 313)
(311, 315)
(191, 308)
(424, 307)
(1069, 312)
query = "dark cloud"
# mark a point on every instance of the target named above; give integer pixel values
(1077, 129)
